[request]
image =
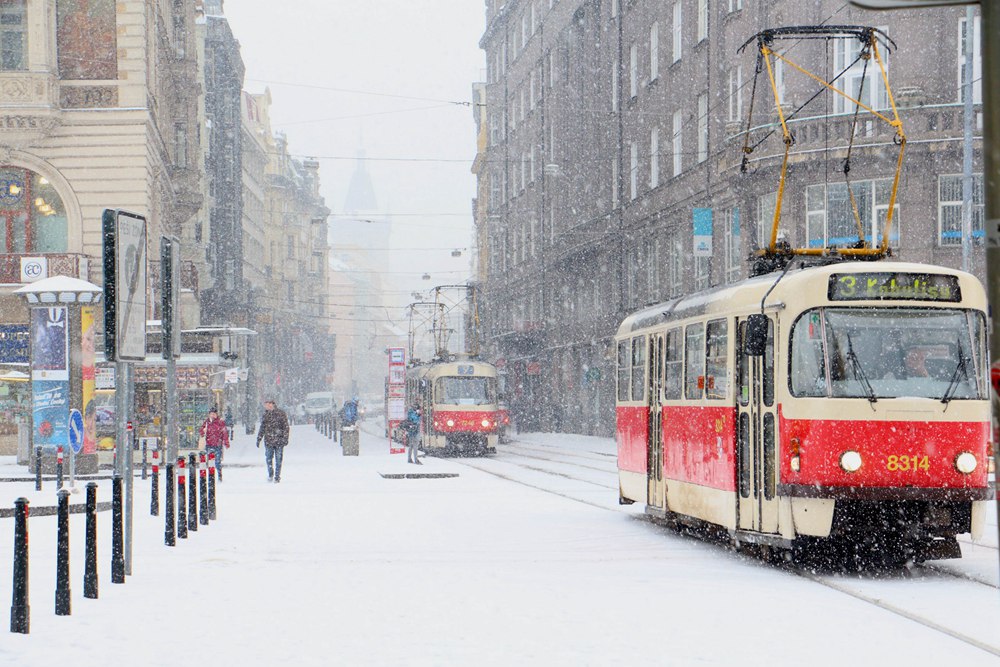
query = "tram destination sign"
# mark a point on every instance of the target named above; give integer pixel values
(892, 286)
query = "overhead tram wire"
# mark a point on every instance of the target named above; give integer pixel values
(312, 86)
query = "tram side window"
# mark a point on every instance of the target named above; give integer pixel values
(623, 370)
(769, 366)
(716, 369)
(808, 363)
(694, 361)
(638, 368)
(673, 363)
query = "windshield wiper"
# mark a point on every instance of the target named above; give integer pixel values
(859, 373)
(960, 367)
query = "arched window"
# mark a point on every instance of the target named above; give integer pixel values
(32, 214)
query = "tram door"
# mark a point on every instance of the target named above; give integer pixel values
(755, 430)
(654, 437)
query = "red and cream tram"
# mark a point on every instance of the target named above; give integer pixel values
(842, 406)
(458, 403)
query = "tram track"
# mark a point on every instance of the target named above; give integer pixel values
(862, 590)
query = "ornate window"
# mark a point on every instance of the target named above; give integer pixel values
(32, 214)
(13, 36)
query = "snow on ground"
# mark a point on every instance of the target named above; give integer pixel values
(337, 565)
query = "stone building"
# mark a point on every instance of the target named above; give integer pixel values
(614, 126)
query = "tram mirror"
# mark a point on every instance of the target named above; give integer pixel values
(755, 340)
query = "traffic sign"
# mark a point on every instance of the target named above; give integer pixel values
(128, 426)
(75, 431)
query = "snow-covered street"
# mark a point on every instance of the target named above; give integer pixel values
(524, 558)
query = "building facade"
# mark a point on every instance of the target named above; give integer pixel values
(614, 128)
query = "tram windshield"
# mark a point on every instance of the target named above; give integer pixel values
(465, 391)
(877, 353)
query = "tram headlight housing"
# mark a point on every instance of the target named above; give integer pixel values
(450, 423)
(486, 423)
(966, 463)
(850, 461)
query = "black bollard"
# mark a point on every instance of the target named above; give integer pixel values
(117, 533)
(329, 422)
(59, 468)
(192, 516)
(90, 562)
(211, 487)
(144, 458)
(203, 480)
(62, 556)
(154, 487)
(169, 536)
(38, 468)
(182, 529)
(20, 613)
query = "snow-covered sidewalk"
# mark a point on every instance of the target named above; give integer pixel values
(337, 565)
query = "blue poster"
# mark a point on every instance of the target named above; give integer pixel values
(50, 410)
(702, 232)
(49, 344)
(14, 345)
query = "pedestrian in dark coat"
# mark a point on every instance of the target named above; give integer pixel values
(216, 437)
(274, 432)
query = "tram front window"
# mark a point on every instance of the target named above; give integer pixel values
(877, 353)
(465, 391)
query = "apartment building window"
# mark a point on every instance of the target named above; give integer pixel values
(678, 25)
(766, 205)
(524, 170)
(654, 157)
(532, 82)
(634, 171)
(180, 145)
(494, 200)
(831, 204)
(677, 143)
(652, 268)
(702, 19)
(531, 164)
(289, 247)
(13, 36)
(614, 8)
(534, 19)
(735, 5)
(553, 71)
(702, 127)
(702, 273)
(291, 292)
(654, 51)
(524, 29)
(521, 116)
(734, 247)
(950, 208)
(735, 99)
(633, 69)
(676, 265)
(977, 63)
(845, 56)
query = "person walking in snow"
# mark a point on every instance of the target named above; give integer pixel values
(216, 436)
(274, 432)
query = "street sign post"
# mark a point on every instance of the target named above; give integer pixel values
(124, 255)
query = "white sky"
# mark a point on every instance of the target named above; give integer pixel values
(410, 48)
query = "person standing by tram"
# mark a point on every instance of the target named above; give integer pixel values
(216, 435)
(413, 434)
(274, 432)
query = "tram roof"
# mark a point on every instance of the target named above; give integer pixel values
(746, 295)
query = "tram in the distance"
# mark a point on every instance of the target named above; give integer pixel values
(844, 406)
(458, 404)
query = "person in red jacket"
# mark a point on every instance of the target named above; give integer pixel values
(216, 437)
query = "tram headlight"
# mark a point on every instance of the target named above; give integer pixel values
(796, 464)
(966, 463)
(486, 423)
(450, 423)
(850, 461)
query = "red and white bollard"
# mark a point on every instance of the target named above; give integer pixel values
(203, 504)
(59, 467)
(154, 485)
(211, 487)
